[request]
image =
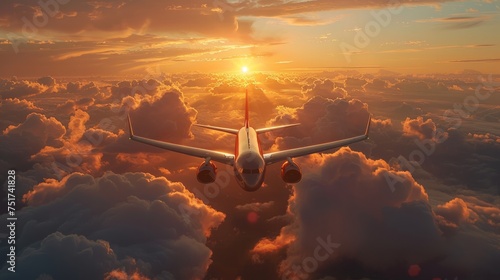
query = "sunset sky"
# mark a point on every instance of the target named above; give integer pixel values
(418, 200)
(123, 37)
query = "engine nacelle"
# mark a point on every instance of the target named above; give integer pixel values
(290, 172)
(206, 172)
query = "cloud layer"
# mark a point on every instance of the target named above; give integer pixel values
(132, 222)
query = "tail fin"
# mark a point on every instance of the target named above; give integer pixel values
(246, 109)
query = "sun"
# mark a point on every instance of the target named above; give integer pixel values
(244, 69)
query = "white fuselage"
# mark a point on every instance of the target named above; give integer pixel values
(249, 165)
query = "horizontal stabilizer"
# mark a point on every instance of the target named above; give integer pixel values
(223, 129)
(267, 129)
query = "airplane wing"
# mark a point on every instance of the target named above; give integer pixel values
(192, 151)
(273, 157)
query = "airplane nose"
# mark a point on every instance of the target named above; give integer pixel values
(251, 180)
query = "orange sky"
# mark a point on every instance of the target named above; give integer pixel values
(76, 38)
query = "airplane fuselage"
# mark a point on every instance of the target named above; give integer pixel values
(249, 164)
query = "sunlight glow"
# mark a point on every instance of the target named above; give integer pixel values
(244, 69)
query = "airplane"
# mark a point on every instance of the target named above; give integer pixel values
(248, 161)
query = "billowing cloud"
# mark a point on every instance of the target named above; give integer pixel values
(15, 111)
(279, 83)
(70, 106)
(485, 138)
(116, 235)
(377, 85)
(325, 88)
(166, 117)
(453, 213)
(322, 119)
(346, 199)
(419, 128)
(29, 137)
(79, 87)
(201, 81)
(75, 152)
(346, 213)
(19, 88)
(47, 81)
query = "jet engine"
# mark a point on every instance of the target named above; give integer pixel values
(290, 172)
(206, 172)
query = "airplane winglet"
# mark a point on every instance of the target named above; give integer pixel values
(130, 130)
(368, 126)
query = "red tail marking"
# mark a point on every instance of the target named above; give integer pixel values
(246, 109)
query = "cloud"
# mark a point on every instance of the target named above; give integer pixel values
(325, 88)
(459, 21)
(76, 126)
(404, 109)
(307, 20)
(115, 236)
(115, 16)
(16, 89)
(478, 60)
(71, 252)
(77, 153)
(15, 111)
(410, 85)
(201, 81)
(94, 135)
(485, 138)
(71, 106)
(47, 81)
(460, 178)
(137, 87)
(225, 88)
(282, 8)
(164, 117)
(454, 211)
(118, 274)
(378, 85)
(344, 200)
(354, 82)
(346, 196)
(256, 206)
(79, 87)
(322, 119)
(278, 84)
(29, 137)
(420, 128)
